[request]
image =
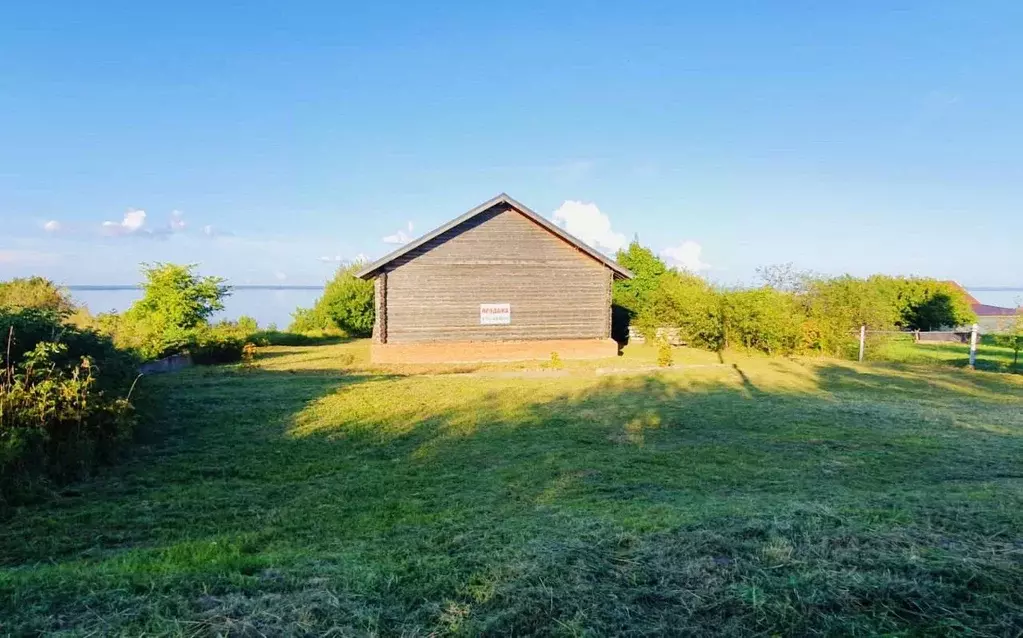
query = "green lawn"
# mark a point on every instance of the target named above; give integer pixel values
(319, 495)
(901, 348)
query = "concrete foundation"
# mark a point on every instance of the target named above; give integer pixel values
(482, 351)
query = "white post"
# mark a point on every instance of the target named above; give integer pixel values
(973, 347)
(863, 340)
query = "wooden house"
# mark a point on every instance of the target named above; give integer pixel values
(497, 283)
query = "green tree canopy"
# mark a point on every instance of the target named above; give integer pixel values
(175, 303)
(647, 268)
(35, 293)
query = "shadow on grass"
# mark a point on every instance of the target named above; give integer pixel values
(776, 498)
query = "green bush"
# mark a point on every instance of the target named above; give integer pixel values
(21, 330)
(688, 303)
(63, 401)
(311, 319)
(647, 269)
(213, 348)
(35, 293)
(176, 305)
(761, 319)
(664, 354)
(346, 304)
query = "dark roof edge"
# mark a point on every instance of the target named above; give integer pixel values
(371, 270)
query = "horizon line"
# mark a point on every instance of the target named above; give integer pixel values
(324, 285)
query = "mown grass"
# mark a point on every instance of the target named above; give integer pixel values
(318, 495)
(991, 356)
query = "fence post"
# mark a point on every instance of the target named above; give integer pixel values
(973, 347)
(863, 340)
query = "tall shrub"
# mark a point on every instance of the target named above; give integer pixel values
(175, 305)
(647, 269)
(37, 293)
(761, 319)
(347, 304)
(63, 400)
(685, 302)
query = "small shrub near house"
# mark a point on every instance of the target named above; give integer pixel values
(664, 355)
(346, 305)
(1012, 338)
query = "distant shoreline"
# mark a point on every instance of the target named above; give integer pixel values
(86, 287)
(83, 287)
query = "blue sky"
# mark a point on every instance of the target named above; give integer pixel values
(263, 140)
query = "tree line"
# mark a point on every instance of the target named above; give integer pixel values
(790, 312)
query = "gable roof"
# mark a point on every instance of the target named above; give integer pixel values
(373, 269)
(983, 309)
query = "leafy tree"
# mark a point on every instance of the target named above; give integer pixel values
(1012, 337)
(175, 304)
(35, 292)
(347, 304)
(924, 304)
(647, 268)
(785, 277)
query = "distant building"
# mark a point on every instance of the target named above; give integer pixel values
(989, 318)
(497, 283)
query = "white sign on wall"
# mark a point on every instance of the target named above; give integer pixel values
(495, 314)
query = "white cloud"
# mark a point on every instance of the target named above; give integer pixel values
(338, 259)
(132, 224)
(585, 221)
(177, 221)
(400, 237)
(53, 226)
(687, 255)
(280, 276)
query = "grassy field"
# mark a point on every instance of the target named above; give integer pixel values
(317, 495)
(902, 349)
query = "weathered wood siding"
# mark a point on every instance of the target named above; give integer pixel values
(555, 291)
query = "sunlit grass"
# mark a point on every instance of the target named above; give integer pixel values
(731, 495)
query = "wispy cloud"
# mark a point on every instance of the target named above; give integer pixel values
(585, 221)
(177, 221)
(400, 237)
(209, 230)
(53, 226)
(339, 259)
(687, 255)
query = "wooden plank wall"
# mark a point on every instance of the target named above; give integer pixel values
(500, 256)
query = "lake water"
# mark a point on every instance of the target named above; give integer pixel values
(274, 304)
(266, 305)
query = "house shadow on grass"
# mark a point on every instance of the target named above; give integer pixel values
(767, 497)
